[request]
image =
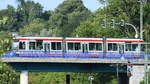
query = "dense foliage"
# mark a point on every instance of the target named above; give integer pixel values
(70, 18)
(7, 74)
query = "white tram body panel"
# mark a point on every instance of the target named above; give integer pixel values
(77, 44)
(84, 44)
(126, 45)
(71, 46)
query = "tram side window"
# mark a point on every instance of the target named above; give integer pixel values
(70, 46)
(56, 45)
(99, 46)
(77, 46)
(132, 47)
(135, 47)
(95, 46)
(39, 45)
(142, 47)
(112, 47)
(74, 46)
(91, 46)
(32, 45)
(22, 45)
(47, 47)
(128, 47)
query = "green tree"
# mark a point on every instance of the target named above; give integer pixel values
(5, 42)
(93, 27)
(7, 74)
(9, 19)
(130, 8)
(67, 16)
(33, 29)
(27, 11)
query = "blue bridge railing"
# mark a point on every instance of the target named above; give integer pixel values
(81, 55)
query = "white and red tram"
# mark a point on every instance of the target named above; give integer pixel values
(78, 47)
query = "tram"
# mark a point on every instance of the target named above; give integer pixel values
(72, 47)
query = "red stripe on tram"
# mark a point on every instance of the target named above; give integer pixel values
(124, 41)
(84, 40)
(49, 39)
(22, 38)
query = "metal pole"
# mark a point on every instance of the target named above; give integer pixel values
(90, 78)
(90, 81)
(105, 14)
(136, 31)
(117, 74)
(146, 66)
(141, 19)
(141, 36)
(0, 22)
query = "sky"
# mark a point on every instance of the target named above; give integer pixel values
(51, 4)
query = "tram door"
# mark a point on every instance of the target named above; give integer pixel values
(46, 47)
(84, 47)
(121, 48)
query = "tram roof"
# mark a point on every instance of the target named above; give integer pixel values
(78, 38)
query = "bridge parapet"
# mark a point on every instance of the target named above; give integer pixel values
(74, 60)
(74, 57)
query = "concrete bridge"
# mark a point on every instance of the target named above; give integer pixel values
(26, 64)
(138, 72)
